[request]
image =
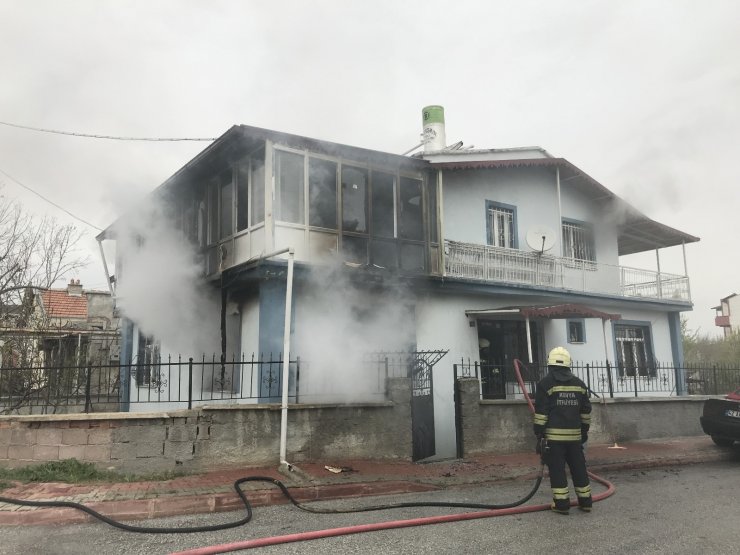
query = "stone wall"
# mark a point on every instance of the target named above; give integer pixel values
(213, 437)
(506, 426)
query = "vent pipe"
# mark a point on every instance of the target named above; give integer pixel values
(433, 121)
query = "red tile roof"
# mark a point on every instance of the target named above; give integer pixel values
(59, 304)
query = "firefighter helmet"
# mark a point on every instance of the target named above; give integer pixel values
(559, 357)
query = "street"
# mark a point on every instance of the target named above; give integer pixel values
(689, 509)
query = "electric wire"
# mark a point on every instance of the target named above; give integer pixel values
(42, 197)
(108, 137)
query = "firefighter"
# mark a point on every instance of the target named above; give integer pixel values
(562, 418)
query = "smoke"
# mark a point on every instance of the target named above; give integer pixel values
(342, 325)
(160, 287)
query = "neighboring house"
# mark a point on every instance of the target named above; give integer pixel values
(728, 314)
(489, 254)
(63, 327)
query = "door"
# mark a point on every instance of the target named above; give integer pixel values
(500, 342)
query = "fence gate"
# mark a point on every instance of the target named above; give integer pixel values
(422, 403)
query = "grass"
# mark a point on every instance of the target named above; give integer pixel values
(75, 472)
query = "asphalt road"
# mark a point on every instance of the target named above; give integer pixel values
(689, 509)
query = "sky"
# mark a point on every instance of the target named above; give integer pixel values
(644, 96)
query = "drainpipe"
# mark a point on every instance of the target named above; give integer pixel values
(529, 340)
(440, 220)
(560, 208)
(286, 364)
(105, 266)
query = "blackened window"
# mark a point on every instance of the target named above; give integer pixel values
(634, 350)
(322, 193)
(354, 199)
(147, 362)
(383, 204)
(410, 221)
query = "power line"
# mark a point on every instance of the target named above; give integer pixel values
(110, 137)
(42, 197)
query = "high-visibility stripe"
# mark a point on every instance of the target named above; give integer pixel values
(584, 491)
(586, 418)
(563, 434)
(540, 419)
(560, 493)
(566, 388)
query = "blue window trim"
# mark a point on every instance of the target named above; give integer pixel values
(583, 329)
(489, 238)
(634, 323)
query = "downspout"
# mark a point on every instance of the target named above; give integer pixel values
(440, 221)
(286, 364)
(560, 207)
(529, 340)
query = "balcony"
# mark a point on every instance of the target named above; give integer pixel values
(498, 265)
(722, 321)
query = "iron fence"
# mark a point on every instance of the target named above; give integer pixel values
(181, 383)
(605, 379)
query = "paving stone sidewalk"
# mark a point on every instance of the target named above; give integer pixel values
(214, 492)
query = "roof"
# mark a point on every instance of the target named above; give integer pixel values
(636, 232)
(59, 304)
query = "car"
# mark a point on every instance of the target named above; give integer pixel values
(720, 419)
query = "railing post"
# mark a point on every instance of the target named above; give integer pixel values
(634, 379)
(190, 383)
(714, 378)
(297, 376)
(588, 378)
(609, 379)
(88, 401)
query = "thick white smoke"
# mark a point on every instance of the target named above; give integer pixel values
(161, 288)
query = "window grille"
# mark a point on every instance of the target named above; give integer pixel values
(578, 242)
(501, 227)
(148, 363)
(634, 351)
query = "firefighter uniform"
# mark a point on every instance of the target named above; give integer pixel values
(562, 417)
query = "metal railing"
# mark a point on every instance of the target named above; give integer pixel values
(183, 383)
(605, 379)
(496, 264)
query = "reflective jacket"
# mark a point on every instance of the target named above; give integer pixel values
(562, 408)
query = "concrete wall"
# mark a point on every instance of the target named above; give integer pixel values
(213, 437)
(506, 426)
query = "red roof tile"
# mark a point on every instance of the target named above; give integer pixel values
(59, 304)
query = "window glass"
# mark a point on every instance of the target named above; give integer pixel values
(410, 225)
(354, 249)
(290, 187)
(212, 213)
(384, 254)
(322, 193)
(634, 351)
(354, 199)
(242, 196)
(576, 333)
(227, 204)
(501, 226)
(258, 187)
(383, 205)
(412, 258)
(578, 241)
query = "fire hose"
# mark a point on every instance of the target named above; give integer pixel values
(485, 510)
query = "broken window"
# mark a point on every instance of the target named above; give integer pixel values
(354, 199)
(500, 225)
(290, 180)
(634, 351)
(226, 194)
(410, 220)
(576, 330)
(147, 362)
(578, 241)
(383, 205)
(322, 193)
(354, 249)
(257, 181)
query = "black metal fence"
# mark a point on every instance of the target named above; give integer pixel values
(185, 382)
(607, 380)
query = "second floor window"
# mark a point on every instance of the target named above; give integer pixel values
(578, 241)
(501, 225)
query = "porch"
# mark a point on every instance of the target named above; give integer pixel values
(500, 265)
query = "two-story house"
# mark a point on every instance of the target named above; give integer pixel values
(487, 254)
(727, 314)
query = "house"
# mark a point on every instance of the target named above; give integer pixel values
(728, 314)
(482, 255)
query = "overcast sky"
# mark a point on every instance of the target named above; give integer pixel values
(641, 95)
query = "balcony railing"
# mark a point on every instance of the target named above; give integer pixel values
(495, 264)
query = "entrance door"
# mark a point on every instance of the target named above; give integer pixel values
(422, 410)
(500, 342)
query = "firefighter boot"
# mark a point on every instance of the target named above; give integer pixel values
(584, 498)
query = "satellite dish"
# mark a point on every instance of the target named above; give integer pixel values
(540, 239)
